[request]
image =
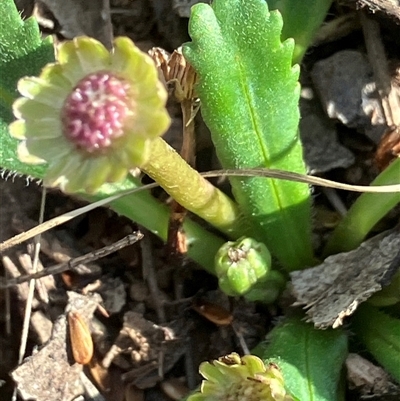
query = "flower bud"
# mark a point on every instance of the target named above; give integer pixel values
(241, 264)
(267, 291)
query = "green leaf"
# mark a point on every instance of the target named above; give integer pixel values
(311, 360)
(22, 52)
(366, 211)
(249, 95)
(381, 335)
(301, 21)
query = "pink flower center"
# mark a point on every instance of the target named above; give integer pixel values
(93, 114)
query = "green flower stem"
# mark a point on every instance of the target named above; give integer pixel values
(365, 213)
(301, 21)
(191, 190)
(145, 210)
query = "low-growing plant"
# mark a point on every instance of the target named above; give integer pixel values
(91, 116)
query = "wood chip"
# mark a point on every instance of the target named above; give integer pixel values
(334, 289)
(368, 378)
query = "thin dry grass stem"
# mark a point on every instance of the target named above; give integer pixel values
(7, 306)
(269, 173)
(337, 28)
(189, 139)
(64, 218)
(335, 200)
(150, 277)
(190, 365)
(304, 178)
(91, 390)
(179, 78)
(12, 272)
(72, 263)
(26, 262)
(377, 58)
(31, 293)
(239, 334)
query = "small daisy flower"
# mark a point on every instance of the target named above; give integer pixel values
(92, 115)
(235, 378)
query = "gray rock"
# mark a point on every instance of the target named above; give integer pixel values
(182, 7)
(322, 150)
(347, 90)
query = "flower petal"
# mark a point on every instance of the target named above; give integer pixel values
(49, 149)
(40, 129)
(54, 74)
(44, 128)
(17, 129)
(98, 172)
(119, 171)
(81, 57)
(26, 157)
(31, 109)
(132, 62)
(212, 390)
(42, 91)
(151, 123)
(254, 364)
(137, 150)
(201, 397)
(59, 171)
(211, 373)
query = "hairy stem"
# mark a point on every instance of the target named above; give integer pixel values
(192, 191)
